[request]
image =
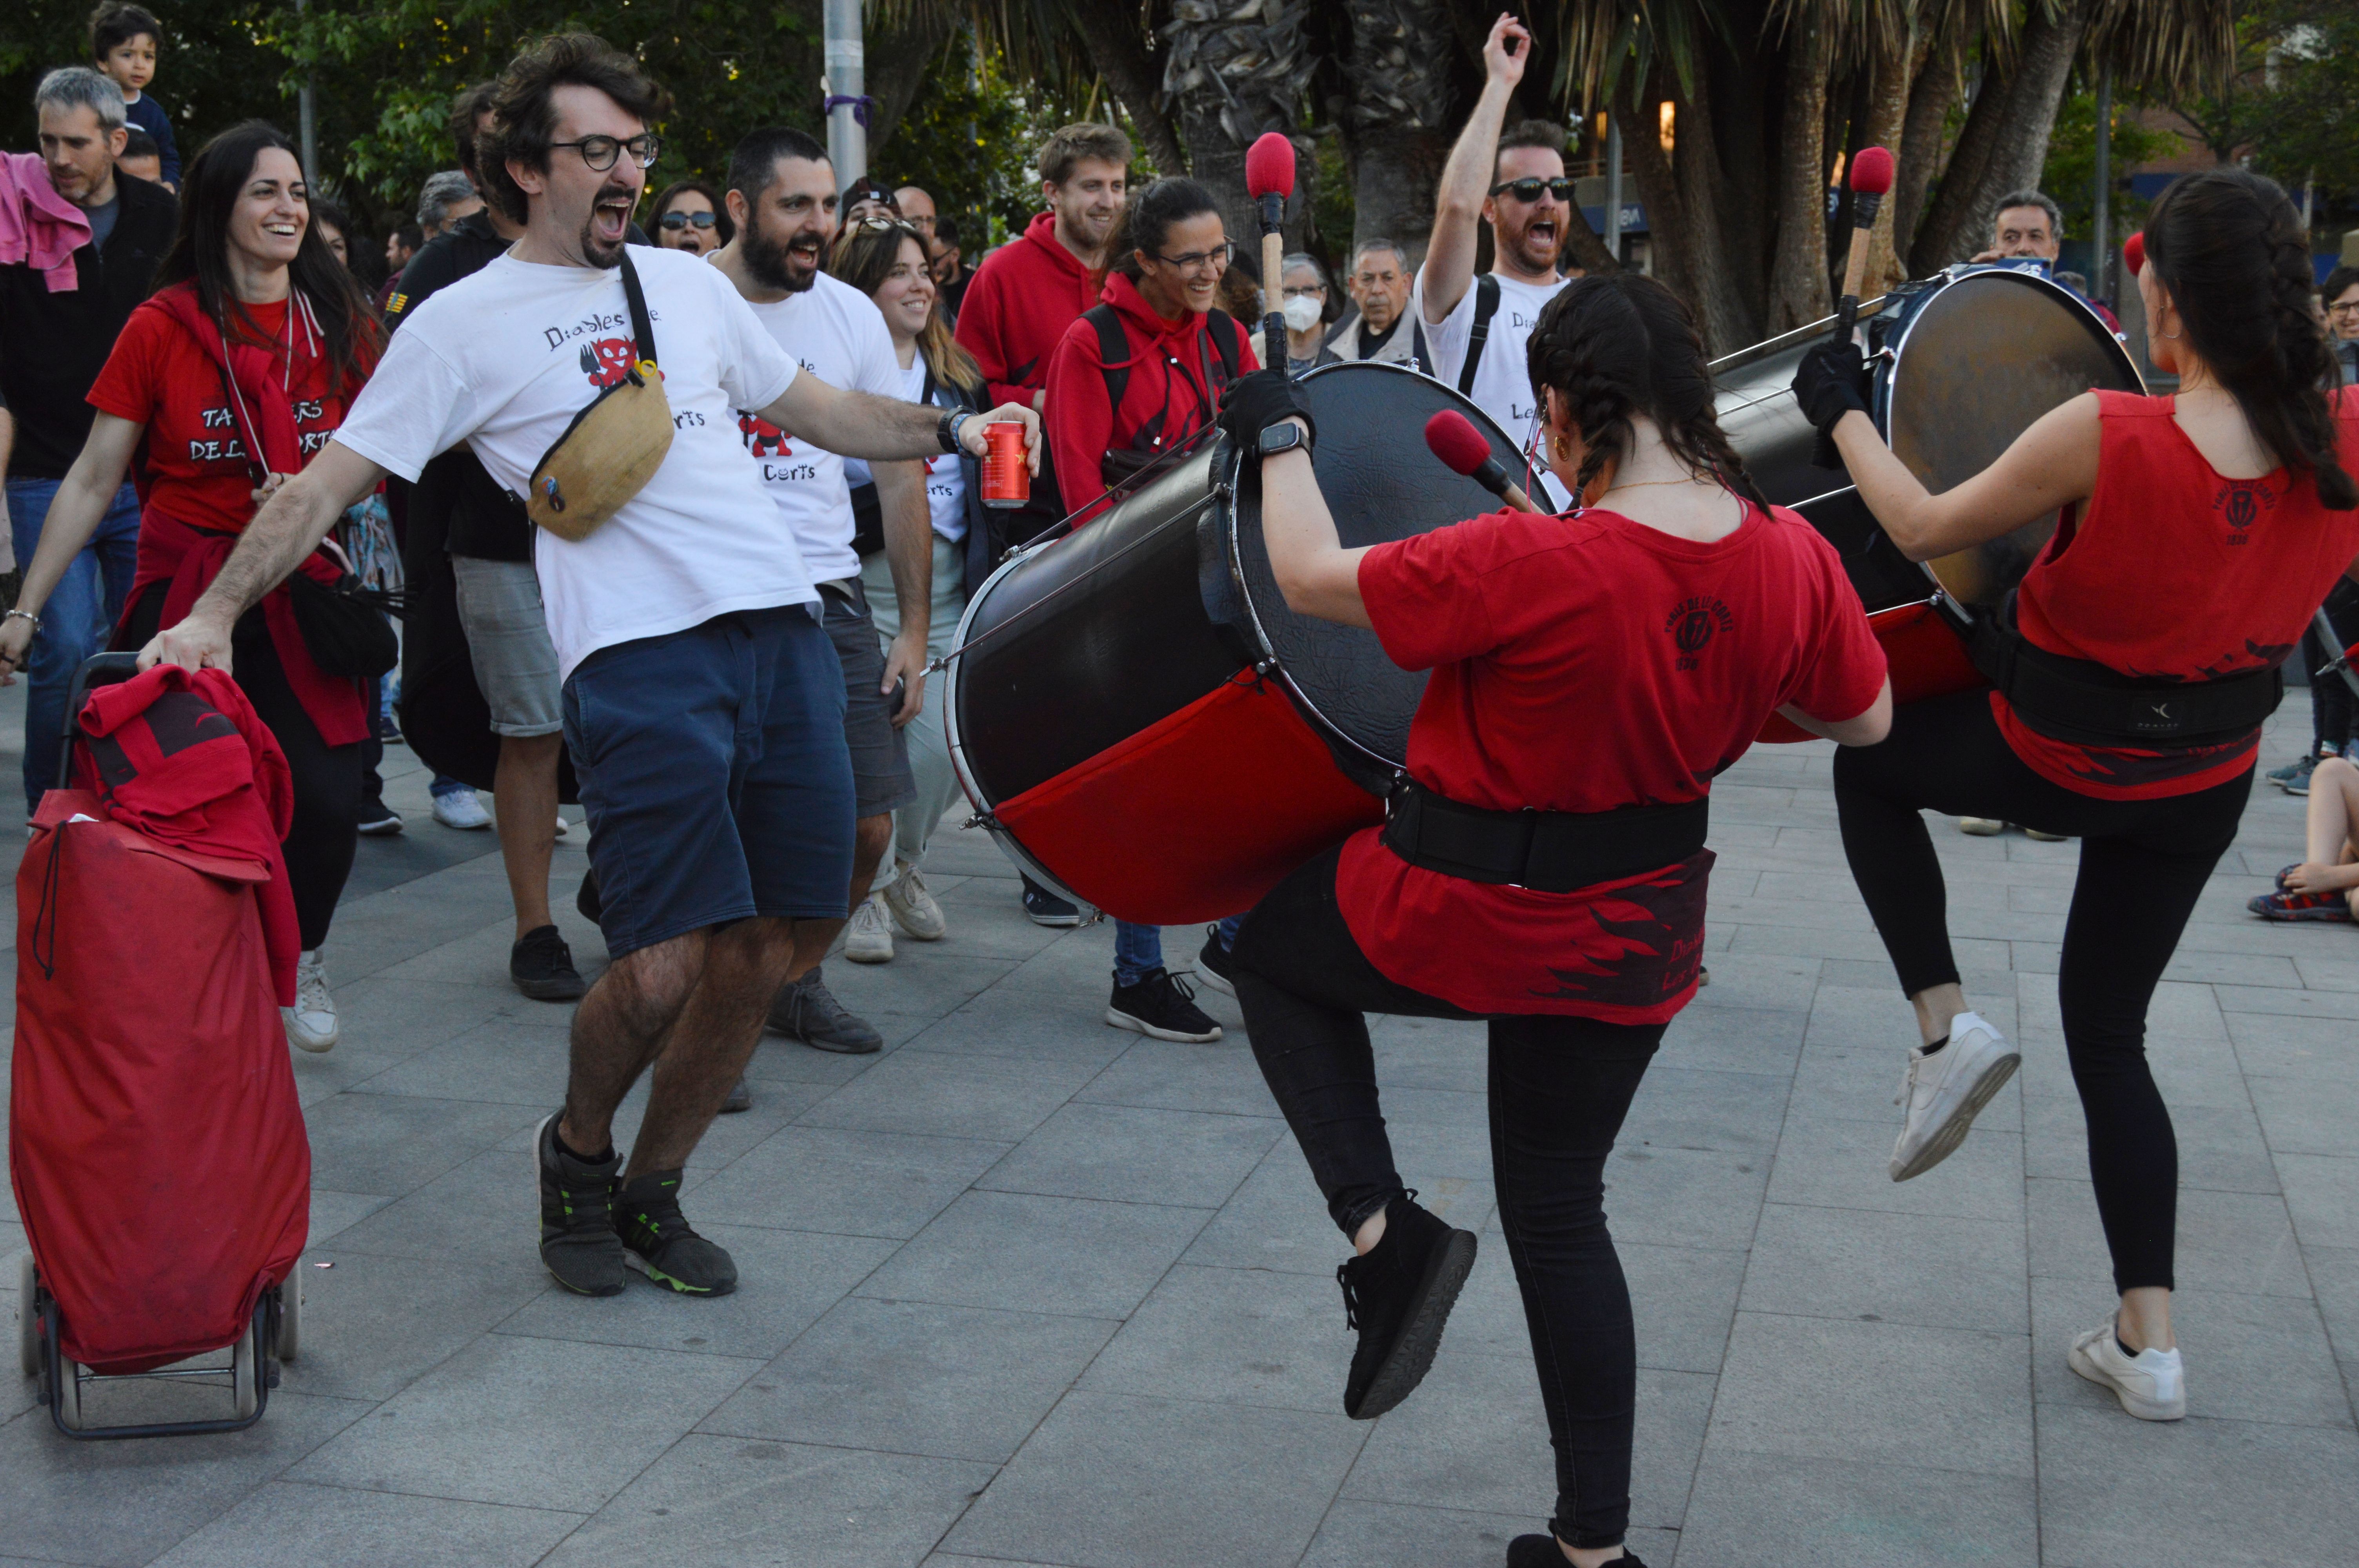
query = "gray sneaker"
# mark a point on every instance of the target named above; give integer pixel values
(806, 1010)
(578, 1244)
(659, 1243)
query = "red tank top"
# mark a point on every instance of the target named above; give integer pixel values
(2174, 571)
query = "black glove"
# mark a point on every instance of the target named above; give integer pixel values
(1830, 382)
(1254, 403)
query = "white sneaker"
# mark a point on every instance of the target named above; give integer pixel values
(312, 1022)
(561, 827)
(1981, 826)
(2037, 836)
(461, 809)
(1944, 1091)
(913, 906)
(869, 938)
(2151, 1385)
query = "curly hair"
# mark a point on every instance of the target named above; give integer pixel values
(524, 116)
(1619, 345)
(2232, 251)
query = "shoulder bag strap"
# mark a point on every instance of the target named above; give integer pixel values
(1486, 305)
(642, 330)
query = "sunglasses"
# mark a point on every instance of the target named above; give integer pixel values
(678, 221)
(1529, 190)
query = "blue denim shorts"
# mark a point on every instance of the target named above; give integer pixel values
(714, 774)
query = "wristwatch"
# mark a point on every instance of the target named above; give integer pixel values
(946, 431)
(1284, 437)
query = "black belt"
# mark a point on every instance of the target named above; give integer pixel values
(1547, 851)
(2088, 704)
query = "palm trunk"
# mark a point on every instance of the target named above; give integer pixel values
(2004, 141)
(1920, 154)
(1117, 48)
(1891, 70)
(1682, 191)
(1236, 69)
(898, 55)
(1397, 123)
(1798, 279)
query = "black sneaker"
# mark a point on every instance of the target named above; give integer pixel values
(542, 966)
(1399, 1296)
(586, 899)
(659, 1242)
(1046, 908)
(1161, 1006)
(740, 1097)
(578, 1244)
(379, 820)
(1541, 1550)
(806, 1010)
(1214, 965)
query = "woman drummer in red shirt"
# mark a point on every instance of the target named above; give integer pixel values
(2199, 532)
(258, 339)
(1543, 865)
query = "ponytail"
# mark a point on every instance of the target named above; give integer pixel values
(1151, 216)
(2232, 251)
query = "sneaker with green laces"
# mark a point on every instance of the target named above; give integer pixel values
(578, 1244)
(659, 1242)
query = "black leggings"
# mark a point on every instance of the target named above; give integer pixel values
(2330, 704)
(2143, 865)
(321, 837)
(1559, 1090)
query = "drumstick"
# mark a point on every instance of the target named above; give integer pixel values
(2134, 253)
(1871, 177)
(1269, 180)
(1452, 438)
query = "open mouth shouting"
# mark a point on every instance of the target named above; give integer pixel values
(610, 223)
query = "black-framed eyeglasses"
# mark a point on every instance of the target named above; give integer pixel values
(601, 152)
(1219, 255)
(1304, 291)
(678, 221)
(1528, 188)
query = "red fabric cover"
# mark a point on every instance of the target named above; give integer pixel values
(154, 1141)
(182, 758)
(1223, 799)
(1019, 304)
(1926, 659)
(2174, 570)
(1169, 361)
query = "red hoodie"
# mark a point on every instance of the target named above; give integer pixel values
(1019, 304)
(1173, 391)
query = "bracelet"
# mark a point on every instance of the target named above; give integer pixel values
(23, 615)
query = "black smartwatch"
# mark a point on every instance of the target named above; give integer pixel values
(946, 431)
(1283, 437)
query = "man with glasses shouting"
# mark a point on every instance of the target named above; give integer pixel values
(1476, 328)
(702, 700)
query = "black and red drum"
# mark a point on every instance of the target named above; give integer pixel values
(1137, 715)
(1963, 364)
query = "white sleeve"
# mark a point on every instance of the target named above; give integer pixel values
(754, 370)
(880, 368)
(415, 407)
(1445, 340)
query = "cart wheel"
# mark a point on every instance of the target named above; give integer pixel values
(288, 1341)
(29, 1318)
(62, 1372)
(246, 1366)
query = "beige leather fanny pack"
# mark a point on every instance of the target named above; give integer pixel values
(614, 447)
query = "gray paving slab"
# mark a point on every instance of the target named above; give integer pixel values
(1752, 1509)
(336, 1527)
(1942, 1272)
(1026, 1252)
(1134, 1154)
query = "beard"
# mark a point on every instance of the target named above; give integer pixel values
(1538, 251)
(598, 251)
(775, 265)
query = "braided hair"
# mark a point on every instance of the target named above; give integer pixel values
(2232, 252)
(1621, 345)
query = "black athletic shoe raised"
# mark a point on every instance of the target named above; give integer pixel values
(658, 1243)
(1542, 1551)
(806, 1010)
(578, 1244)
(1398, 1296)
(379, 820)
(586, 900)
(740, 1099)
(542, 966)
(1046, 908)
(1214, 965)
(1161, 1006)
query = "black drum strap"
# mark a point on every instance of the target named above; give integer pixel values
(2084, 703)
(1547, 852)
(1486, 305)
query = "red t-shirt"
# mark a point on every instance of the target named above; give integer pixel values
(2174, 570)
(160, 376)
(1582, 664)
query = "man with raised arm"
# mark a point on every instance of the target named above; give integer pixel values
(702, 700)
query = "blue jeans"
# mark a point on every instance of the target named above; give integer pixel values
(81, 613)
(1138, 949)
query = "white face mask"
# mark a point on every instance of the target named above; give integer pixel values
(1302, 313)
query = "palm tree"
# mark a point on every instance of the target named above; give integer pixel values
(1234, 69)
(1397, 125)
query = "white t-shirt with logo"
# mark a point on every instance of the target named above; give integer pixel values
(837, 333)
(505, 359)
(945, 475)
(1502, 387)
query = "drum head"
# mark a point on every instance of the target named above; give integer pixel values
(1981, 359)
(1382, 485)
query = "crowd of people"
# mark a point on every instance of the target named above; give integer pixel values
(723, 651)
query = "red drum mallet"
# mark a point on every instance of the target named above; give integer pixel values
(1269, 180)
(1451, 437)
(1871, 177)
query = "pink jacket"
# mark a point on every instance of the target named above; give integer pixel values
(39, 227)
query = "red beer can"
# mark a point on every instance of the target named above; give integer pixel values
(1006, 477)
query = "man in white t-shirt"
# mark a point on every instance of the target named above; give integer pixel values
(702, 702)
(1513, 179)
(782, 200)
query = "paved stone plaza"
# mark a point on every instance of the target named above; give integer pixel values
(1026, 1290)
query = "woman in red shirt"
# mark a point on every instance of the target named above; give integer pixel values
(2198, 532)
(1542, 867)
(225, 382)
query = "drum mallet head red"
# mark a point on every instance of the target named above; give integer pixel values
(1451, 437)
(1871, 177)
(2134, 253)
(1269, 180)
(1269, 167)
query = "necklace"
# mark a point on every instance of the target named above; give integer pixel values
(1642, 483)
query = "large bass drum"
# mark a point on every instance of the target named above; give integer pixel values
(1137, 715)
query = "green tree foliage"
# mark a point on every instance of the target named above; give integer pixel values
(2071, 173)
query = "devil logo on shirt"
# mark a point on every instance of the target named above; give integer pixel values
(2241, 503)
(1692, 625)
(762, 439)
(607, 360)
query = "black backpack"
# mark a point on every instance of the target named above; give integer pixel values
(1120, 465)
